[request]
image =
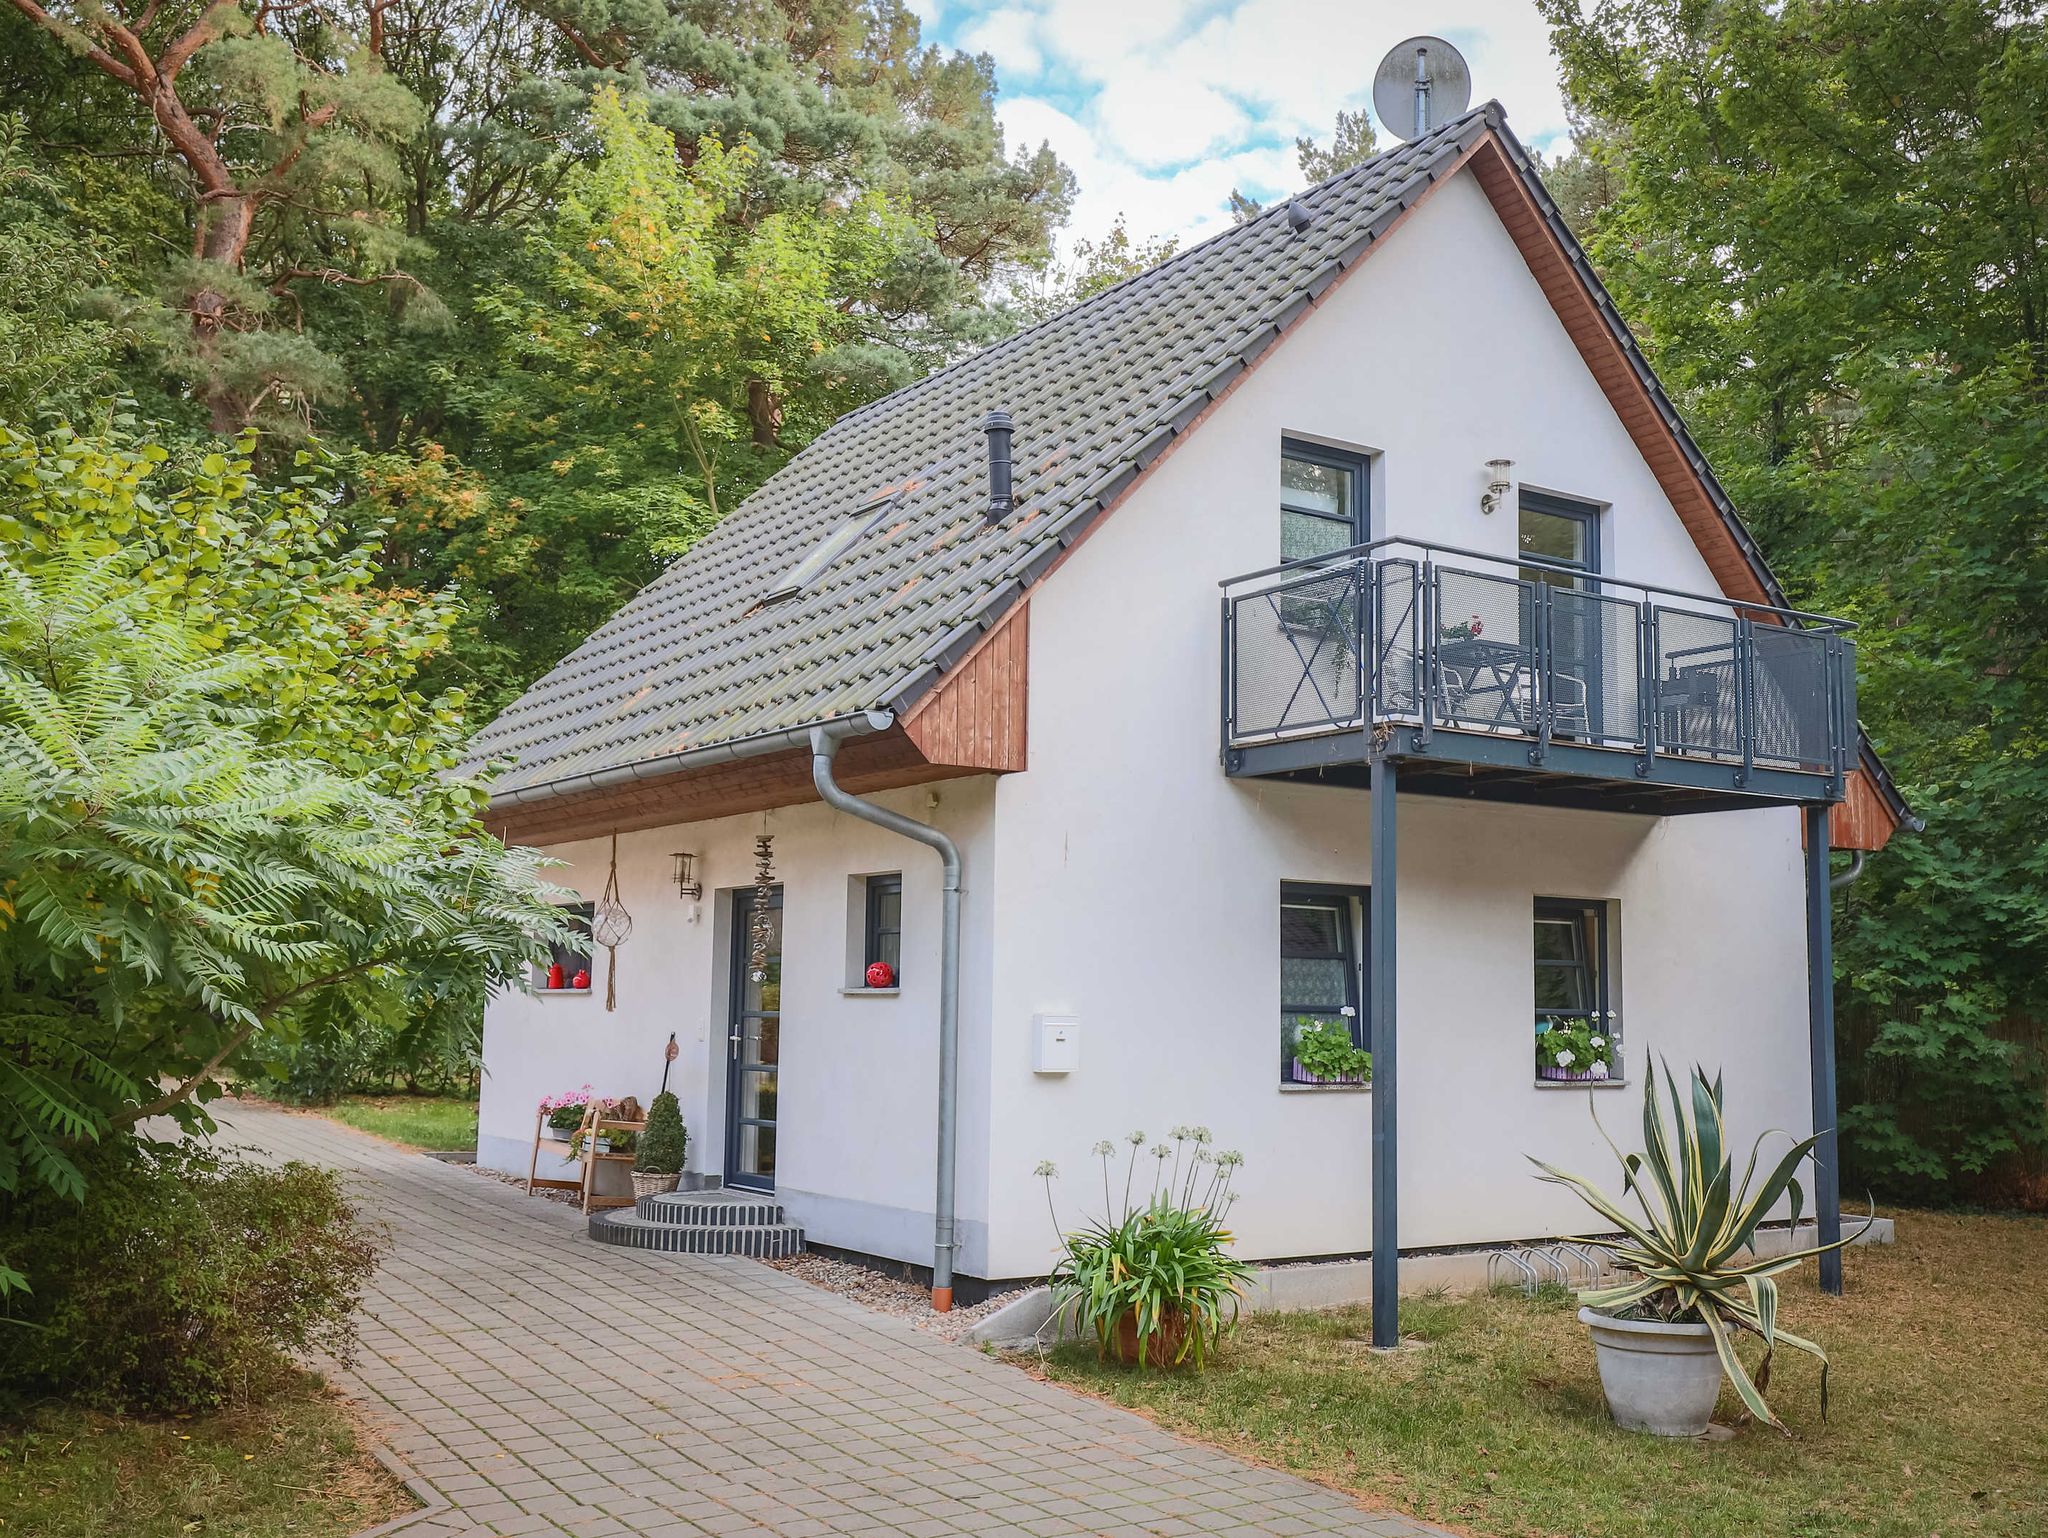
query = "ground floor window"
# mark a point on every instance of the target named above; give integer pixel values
(567, 960)
(1322, 1038)
(883, 931)
(1576, 1028)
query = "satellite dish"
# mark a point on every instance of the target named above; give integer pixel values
(1419, 84)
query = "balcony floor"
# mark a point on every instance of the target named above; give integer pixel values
(1484, 766)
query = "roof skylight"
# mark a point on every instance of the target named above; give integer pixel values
(831, 547)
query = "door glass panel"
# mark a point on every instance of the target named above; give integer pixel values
(753, 1076)
(1558, 537)
(1304, 536)
(1315, 488)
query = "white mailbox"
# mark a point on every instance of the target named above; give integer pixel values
(1056, 1044)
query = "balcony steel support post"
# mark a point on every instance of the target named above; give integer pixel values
(1386, 1228)
(1820, 1007)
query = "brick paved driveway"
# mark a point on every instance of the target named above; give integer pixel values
(546, 1385)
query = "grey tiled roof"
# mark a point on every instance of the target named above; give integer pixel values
(1097, 392)
(695, 661)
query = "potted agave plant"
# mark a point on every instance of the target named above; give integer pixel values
(1665, 1336)
(1155, 1285)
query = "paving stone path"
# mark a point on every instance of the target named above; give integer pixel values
(545, 1385)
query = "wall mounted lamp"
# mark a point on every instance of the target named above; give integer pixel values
(683, 870)
(1498, 484)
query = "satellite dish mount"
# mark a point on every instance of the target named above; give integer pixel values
(1420, 83)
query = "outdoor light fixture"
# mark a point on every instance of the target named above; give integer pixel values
(684, 872)
(1497, 484)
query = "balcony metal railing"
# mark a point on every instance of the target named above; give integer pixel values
(1406, 633)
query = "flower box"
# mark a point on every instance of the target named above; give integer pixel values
(1296, 1074)
(556, 1134)
(1573, 1075)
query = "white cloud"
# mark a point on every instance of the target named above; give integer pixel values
(1161, 106)
(1009, 37)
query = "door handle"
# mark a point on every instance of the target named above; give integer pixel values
(736, 1040)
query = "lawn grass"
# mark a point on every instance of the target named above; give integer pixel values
(291, 1466)
(1938, 1423)
(437, 1123)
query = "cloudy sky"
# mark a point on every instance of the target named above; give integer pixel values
(1162, 106)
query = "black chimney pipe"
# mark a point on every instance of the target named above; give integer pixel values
(1000, 499)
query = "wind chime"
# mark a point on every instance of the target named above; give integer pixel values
(610, 924)
(760, 927)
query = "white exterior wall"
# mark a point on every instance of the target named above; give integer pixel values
(1124, 880)
(1138, 888)
(856, 1135)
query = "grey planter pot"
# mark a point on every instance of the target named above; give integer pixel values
(1660, 1378)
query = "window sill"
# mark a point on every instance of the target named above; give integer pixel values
(1579, 1084)
(869, 993)
(560, 993)
(1288, 1088)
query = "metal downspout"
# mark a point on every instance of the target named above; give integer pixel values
(825, 742)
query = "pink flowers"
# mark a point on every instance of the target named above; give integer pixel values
(574, 1099)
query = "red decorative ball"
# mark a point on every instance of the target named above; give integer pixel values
(881, 975)
(580, 980)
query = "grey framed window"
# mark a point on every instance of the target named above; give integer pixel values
(1558, 529)
(1321, 971)
(1323, 495)
(1571, 961)
(883, 929)
(574, 955)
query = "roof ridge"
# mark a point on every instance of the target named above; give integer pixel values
(1435, 139)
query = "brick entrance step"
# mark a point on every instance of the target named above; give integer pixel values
(702, 1223)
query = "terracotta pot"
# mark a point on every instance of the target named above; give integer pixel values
(1162, 1346)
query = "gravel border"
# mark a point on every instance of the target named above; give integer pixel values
(887, 1294)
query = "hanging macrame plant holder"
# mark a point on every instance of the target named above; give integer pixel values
(761, 924)
(610, 924)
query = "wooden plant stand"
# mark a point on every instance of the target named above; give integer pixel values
(590, 1158)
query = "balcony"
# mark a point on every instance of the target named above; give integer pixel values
(1528, 681)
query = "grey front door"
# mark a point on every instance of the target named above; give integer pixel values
(753, 1045)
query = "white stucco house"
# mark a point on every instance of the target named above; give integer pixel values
(1338, 624)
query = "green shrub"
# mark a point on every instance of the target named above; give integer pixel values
(663, 1141)
(182, 1281)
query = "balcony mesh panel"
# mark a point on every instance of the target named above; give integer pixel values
(1596, 684)
(1485, 672)
(1397, 669)
(1297, 651)
(1698, 704)
(1790, 672)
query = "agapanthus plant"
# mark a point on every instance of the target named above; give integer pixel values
(1161, 1265)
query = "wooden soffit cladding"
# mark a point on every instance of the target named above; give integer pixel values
(885, 761)
(972, 722)
(976, 717)
(1863, 819)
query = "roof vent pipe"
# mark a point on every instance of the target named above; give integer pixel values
(1000, 498)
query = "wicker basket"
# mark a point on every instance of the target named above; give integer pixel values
(646, 1184)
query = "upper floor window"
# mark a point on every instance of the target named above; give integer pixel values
(1322, 500)
(1560, 530)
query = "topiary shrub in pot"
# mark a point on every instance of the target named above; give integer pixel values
(1665, 1338)
(662, 1145)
